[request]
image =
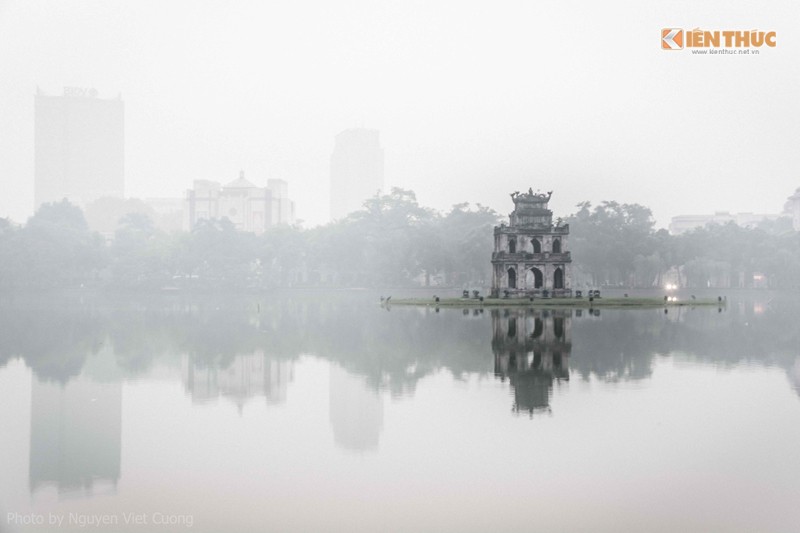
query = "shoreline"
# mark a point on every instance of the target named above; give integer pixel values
(557, 302)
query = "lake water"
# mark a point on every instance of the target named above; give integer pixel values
(331, 413)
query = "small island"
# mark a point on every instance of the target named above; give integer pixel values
(532, 267)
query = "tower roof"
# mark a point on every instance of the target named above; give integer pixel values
(531, 198)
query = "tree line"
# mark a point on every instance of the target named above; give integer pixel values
(392, 241)
(617, 245)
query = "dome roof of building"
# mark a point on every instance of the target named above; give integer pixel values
(240, 183)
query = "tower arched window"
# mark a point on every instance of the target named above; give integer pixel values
(558, 279)
(512, 278)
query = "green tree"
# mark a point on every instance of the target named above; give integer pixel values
(606, 240)
(140, 253)
(58, 250)
(469, 234)
(216, 254)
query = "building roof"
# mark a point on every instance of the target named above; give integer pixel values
(240, 183)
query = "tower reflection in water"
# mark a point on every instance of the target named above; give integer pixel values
(531, 350)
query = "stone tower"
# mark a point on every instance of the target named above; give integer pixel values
(530, 253)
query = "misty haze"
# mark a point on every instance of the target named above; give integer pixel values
(399, 266)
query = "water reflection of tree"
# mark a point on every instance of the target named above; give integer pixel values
(54, 342)
(623, 344)
(392, 349)
(619, 345)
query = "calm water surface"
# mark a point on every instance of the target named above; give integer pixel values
(334, 414)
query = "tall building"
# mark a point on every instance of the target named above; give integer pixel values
(79, 147)
(249, 207)
(356, 170)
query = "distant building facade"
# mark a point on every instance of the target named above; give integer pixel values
(792, 208)
(530, 253)
(249, 207)
(167, 213)
(356, 170)
(165, 205)
(683, 223)
(79, 149)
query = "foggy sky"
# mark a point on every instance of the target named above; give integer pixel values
(473, 100)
